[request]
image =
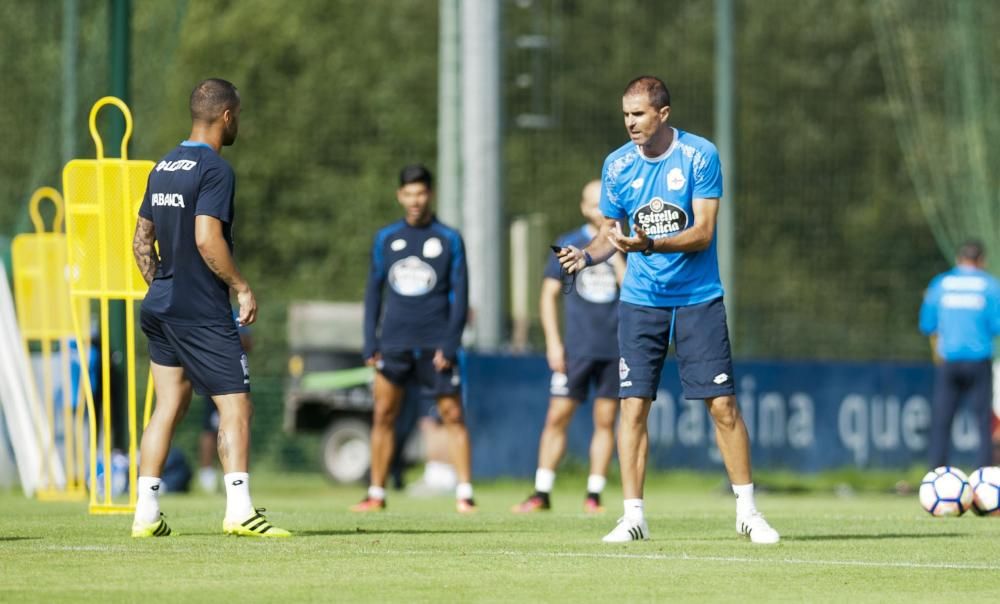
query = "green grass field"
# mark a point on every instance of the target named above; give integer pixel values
(861, 548)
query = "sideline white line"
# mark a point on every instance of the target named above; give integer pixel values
(689, 558)
(85, 548)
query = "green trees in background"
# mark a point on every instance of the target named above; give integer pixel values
(832, 250)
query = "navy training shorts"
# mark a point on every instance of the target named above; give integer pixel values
(701, 340)
(400, 366)
(580, 374)
(211, 355)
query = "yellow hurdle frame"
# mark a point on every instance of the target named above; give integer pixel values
(103, 196)
(41, 292)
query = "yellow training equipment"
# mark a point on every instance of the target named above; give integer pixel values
(102, 201)
(41, 293)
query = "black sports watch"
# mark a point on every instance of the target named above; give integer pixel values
(649, 248)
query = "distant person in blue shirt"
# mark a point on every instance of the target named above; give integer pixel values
(588, 357)
(188, 213)
(416, 303)
(961, 314)
(666, 185)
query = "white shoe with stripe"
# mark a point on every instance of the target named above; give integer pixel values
(755, 527)
(627, 531)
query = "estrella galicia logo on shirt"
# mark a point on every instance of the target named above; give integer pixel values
(660, 217)
(411, 276)
(598, 284)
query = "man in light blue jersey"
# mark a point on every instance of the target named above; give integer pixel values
(666, 185)
(961, 314)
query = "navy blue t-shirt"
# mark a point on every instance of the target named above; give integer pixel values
(591, 307)
(189, 181)
(427, 298)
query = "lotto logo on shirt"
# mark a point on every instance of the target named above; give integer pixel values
(173, 166)
(411, 276)
(659, 217)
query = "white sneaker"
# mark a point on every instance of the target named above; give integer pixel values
(755, 527)
(627, 531)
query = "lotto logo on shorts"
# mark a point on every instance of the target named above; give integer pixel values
(245, 363)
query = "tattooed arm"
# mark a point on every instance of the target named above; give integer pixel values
(215, 252)
(144, 250)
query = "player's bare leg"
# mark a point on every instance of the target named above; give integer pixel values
(731, 437)
(552, 444)
(551, 447)
(173, 396)
(734, 445)
(633, 444)
(453, 420)
(602, 447)
(388, 401)
(233, 441)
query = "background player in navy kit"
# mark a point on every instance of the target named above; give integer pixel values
(667, 183)
(419, 333)
(188, 211)
(590, 355)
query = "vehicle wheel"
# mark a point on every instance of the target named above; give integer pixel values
(346, 450)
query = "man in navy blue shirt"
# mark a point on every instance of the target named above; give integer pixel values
(589, 356)
(188, 212)
(961, 314)
(416, 303)
(667, 184)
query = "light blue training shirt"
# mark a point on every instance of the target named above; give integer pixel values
(657, 194)
(962, 308)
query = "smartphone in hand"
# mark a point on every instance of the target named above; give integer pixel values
(568, 279)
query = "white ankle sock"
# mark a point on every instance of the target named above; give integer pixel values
(633, 510)
(463, 490)
(375, 492)
(147, 504)
(745, 505)
(238, 504)
(544, 479)
(596, 483)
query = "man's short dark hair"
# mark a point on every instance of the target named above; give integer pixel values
(211, 97)
(416, 173)
(654, 89)
(971, 249)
